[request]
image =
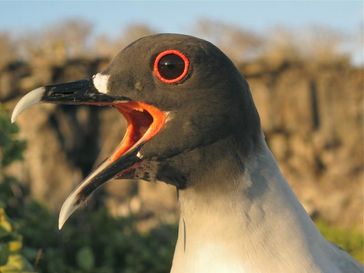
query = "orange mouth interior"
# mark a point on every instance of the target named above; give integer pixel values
(144, 122)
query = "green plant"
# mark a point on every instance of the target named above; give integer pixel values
(11, 149)
(11, 242)
(99, 244)
(11, 258)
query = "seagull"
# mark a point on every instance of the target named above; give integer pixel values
(192, 123)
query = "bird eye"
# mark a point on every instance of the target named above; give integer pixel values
(171, 66)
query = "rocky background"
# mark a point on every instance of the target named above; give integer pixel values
(310, 103)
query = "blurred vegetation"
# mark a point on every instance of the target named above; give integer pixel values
(11, 259)
(11, 242)
(11, 149)
(31, 242)
(350, 240)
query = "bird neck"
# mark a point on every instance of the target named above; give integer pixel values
(244, 219)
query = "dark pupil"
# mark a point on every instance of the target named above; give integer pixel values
(171, 66)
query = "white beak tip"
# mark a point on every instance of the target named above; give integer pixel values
(63, 216)
(60, 225)
(33, 97)
(68, 208)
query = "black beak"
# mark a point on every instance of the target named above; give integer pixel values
(81, 92)
(78, 92)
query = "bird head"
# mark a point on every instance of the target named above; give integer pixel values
(178, 94)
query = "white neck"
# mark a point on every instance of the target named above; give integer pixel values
(238, 220)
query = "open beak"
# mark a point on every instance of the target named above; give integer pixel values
(144, 122)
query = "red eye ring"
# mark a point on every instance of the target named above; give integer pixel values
(171, 52)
